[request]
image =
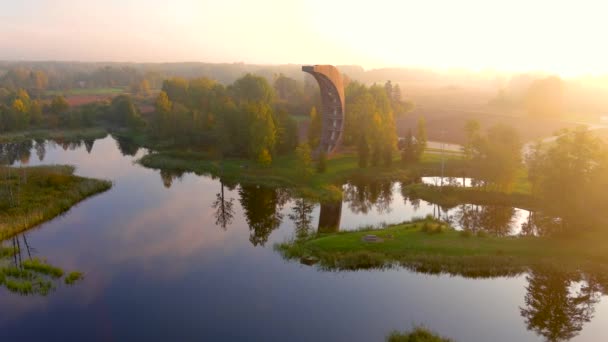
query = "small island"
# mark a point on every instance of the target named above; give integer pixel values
(431, 246)
(32, 195)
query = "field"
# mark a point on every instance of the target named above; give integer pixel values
(86, 91)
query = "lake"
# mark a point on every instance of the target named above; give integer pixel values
(183, 257)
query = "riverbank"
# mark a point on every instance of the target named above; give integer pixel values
(284, 171)
(32, 195)
(433, 247)
(55, 134)
(451, 196)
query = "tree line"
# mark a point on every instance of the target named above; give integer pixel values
(242, 119)
(18, 111)
(567, 176)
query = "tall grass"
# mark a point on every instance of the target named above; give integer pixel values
(48, 192)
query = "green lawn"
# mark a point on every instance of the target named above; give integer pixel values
(32, 195)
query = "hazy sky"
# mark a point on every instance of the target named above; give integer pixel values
(568, 37)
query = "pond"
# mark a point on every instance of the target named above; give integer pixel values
(170, 256)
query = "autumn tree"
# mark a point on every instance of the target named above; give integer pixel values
(304, 160)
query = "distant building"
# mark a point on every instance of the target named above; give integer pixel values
(332, 106)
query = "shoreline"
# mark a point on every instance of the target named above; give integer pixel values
(48, 192)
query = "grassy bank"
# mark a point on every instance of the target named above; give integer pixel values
(66, 134)
(284, 171)
(32, 195)
(432, 247)
(450, 196)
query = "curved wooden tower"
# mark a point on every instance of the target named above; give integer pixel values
(332, 106)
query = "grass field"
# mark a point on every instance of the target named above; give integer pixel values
(86, 91)
(433, 247)
(32, 195)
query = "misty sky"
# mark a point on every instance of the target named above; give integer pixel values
(568, 37)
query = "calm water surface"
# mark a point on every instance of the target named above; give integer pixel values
(186, 257)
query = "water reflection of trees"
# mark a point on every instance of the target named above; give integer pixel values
(301, 215)
(126, 146)
(262, 207)
(224, 207)
(21, 151)
(496, 220)
(363, 196)
(557, 304)
(24, 274)
(168, 176)
(16, 151)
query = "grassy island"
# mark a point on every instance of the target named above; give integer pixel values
(430, 246)
(32, 195)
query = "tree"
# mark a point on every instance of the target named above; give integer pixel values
(408, 148)
(304, 160)
(176, 89)
(363, 152)
(124, 112)
(388, 88)
(264, 158)
(163, 108)
(569, 176)
(251, 88)
(497, 156)
(59, 105)
(471, 129)
(421, 138)
(36, 113)
(314, 128)
(287, 132)
(262, 132)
